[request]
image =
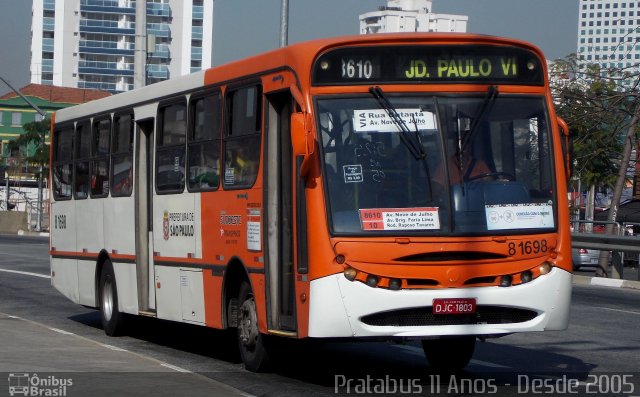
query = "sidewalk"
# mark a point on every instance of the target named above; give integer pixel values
(605, 282)
(56, 361)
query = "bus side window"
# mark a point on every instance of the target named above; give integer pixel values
(100, 158)
(122, 158)
(63, 163)
(83, 155)
(203, 161)
(242, 137)
(170, 148)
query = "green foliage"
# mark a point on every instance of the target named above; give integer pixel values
(33, 138)
(598, 115)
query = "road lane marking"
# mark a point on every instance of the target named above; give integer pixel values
(617, 310)
(115, 348)
(61, 331)
(175, 368)
(26, 273)
(487, 364)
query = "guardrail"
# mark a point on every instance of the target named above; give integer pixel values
(619, 244)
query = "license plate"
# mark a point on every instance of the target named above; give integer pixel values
(454, 306)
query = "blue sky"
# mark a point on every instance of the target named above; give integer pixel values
(247, 27)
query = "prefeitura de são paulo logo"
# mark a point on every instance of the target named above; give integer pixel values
(165, 225)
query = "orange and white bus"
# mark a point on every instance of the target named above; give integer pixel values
(388, 186)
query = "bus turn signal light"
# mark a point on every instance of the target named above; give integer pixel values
(526, 276)
(545, 268)
(350, 273)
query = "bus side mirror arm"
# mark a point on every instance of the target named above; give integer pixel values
(567, 147)
(301, 140)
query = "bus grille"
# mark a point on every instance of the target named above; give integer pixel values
(423, 316)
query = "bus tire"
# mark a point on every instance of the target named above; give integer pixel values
(449, 354)
(251, 342)
(112, 319)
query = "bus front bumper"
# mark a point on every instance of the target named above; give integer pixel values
(340, 308)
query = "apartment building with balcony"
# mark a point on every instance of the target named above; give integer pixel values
(410, 16)
(91, 43)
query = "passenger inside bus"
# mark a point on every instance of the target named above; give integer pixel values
(242, 168)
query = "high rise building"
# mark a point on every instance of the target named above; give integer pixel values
(410, 16)
(609, 36)
(91, 43)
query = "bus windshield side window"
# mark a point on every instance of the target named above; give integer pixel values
(63, 163)
(242, 139)
(122, 158)
(170, 156)
(100, 158)
(83, 155)
(204, 143)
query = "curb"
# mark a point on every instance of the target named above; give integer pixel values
(37, 234)
(606, 282)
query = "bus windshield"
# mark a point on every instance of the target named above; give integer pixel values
(434, 165)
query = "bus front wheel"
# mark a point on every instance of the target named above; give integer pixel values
(251, 342)
(449, 354)
(112, 319)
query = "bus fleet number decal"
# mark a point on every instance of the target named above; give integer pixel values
(528, 247)
(60, 221)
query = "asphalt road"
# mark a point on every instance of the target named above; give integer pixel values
(603, 339)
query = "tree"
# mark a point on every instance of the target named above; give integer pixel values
(603, 111)
(31, 144)
(593, 110)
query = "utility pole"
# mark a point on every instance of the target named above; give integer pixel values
(140, 59)
(284, 23)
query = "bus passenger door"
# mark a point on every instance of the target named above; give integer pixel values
(279, 214)
(144, 216)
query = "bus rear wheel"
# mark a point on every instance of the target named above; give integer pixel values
(251, 342)
(112, 319)
(449, 354)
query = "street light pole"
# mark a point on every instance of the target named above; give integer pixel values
(284, 23)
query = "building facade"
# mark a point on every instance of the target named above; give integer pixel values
(91, 43)
(410, 16)
(15, 112)
(609, 36)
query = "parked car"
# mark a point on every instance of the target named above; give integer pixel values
(584, 257)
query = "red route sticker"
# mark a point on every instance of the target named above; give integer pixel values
(419, 218)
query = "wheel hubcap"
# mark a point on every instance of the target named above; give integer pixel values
(248, 326)
(107, 299)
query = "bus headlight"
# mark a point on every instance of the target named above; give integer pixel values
(395, 284)
(505, 281)
(372, 281)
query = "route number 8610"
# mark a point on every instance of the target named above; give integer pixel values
(528, 247)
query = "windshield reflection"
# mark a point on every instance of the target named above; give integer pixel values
(497, 178)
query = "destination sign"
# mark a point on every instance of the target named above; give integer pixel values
(428, 64)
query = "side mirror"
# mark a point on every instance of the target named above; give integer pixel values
(301, 139)
(567, 147)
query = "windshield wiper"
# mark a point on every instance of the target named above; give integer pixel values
(415, 148)
(483, 110)
(413, 144)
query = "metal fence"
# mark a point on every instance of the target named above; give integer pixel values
(623, 244)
